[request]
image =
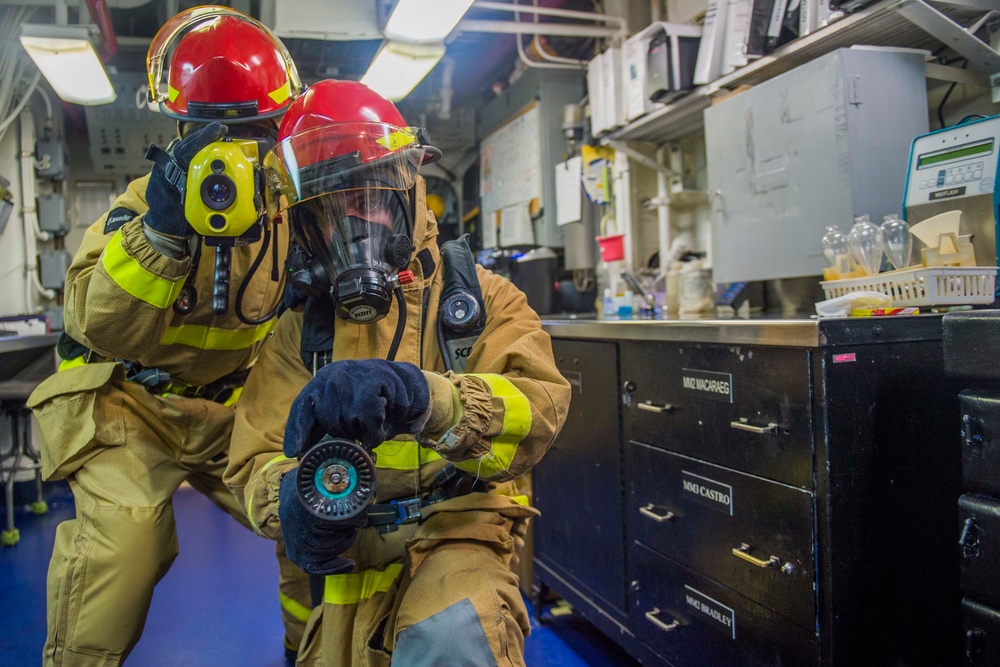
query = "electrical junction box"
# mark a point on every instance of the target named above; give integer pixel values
(52, 158)
(813, 147)
(52, 266)
(52, 214)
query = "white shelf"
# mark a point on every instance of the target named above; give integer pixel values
(881, 24)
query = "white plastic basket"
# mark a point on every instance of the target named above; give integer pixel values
(924, 286)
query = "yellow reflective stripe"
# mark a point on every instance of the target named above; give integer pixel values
(281, 93)
(211, 338)
(73, 363)
(294, 607)
(276, 459)
(357, 586)
(172, 93)
(516, 425)
(233, 397)
(403, 455)
(397, 140)
(521, 500)
(135, 279)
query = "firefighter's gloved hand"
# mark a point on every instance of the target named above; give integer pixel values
(312, 543)
(166, 210)
(368, 400)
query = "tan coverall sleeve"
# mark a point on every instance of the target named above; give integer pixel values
(256, 462)
(119, 290)
(508, 422)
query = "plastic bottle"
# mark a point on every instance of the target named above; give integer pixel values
(625, 306)
(608, 307)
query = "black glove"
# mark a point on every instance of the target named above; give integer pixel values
(166, 210)
(312, 543)
(368, 400)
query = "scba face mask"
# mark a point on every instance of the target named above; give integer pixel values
(355, 242)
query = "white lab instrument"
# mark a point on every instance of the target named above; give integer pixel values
(955, 169)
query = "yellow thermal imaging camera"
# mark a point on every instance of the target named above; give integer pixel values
(224, 197)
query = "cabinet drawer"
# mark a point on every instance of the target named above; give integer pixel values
(980, 441)
(982, 634)
(750, 534)
(744, 408)
(691, 620)
(979, 523)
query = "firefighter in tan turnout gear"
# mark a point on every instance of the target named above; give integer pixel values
(422, 576)
(154, 360)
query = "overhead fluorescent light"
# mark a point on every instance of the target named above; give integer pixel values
(66, 57)
(397, 68)
(425, 21)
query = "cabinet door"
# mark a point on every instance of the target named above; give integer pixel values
(745, 408)
(578, 484)
(750, 534)
(691, 620)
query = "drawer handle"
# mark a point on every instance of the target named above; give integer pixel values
(653, 407)
(647, 511)
(742, 425)
(653, 618)
(743, 551)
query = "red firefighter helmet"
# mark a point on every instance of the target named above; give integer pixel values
(342, 135)
(221, 65)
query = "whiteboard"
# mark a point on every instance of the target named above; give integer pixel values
(511, 164)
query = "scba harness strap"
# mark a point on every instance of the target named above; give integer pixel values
(156, 380)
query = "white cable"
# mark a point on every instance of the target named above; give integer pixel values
(48, 105)
(20, 105)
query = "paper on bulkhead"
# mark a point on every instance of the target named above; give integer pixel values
(568, 190)
(515, 225)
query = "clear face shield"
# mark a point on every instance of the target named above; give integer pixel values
(355, 229)
(344, 190)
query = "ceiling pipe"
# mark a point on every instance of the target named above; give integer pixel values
(101, 15)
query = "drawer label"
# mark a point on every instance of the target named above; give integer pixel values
(722, 617)
(708, 492)
(707, 384)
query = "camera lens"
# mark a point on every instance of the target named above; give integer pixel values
(218, 192)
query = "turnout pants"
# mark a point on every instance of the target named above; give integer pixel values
(439, 593)
(123, 473)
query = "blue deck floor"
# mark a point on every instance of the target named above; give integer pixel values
(218, 604)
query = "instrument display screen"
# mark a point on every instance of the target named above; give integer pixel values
(969, 150)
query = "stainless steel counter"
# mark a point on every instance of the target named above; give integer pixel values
(25, 361)
(762, 330)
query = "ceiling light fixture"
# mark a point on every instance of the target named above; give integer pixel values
(425, 21)
(397, 68)
(66, 57)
